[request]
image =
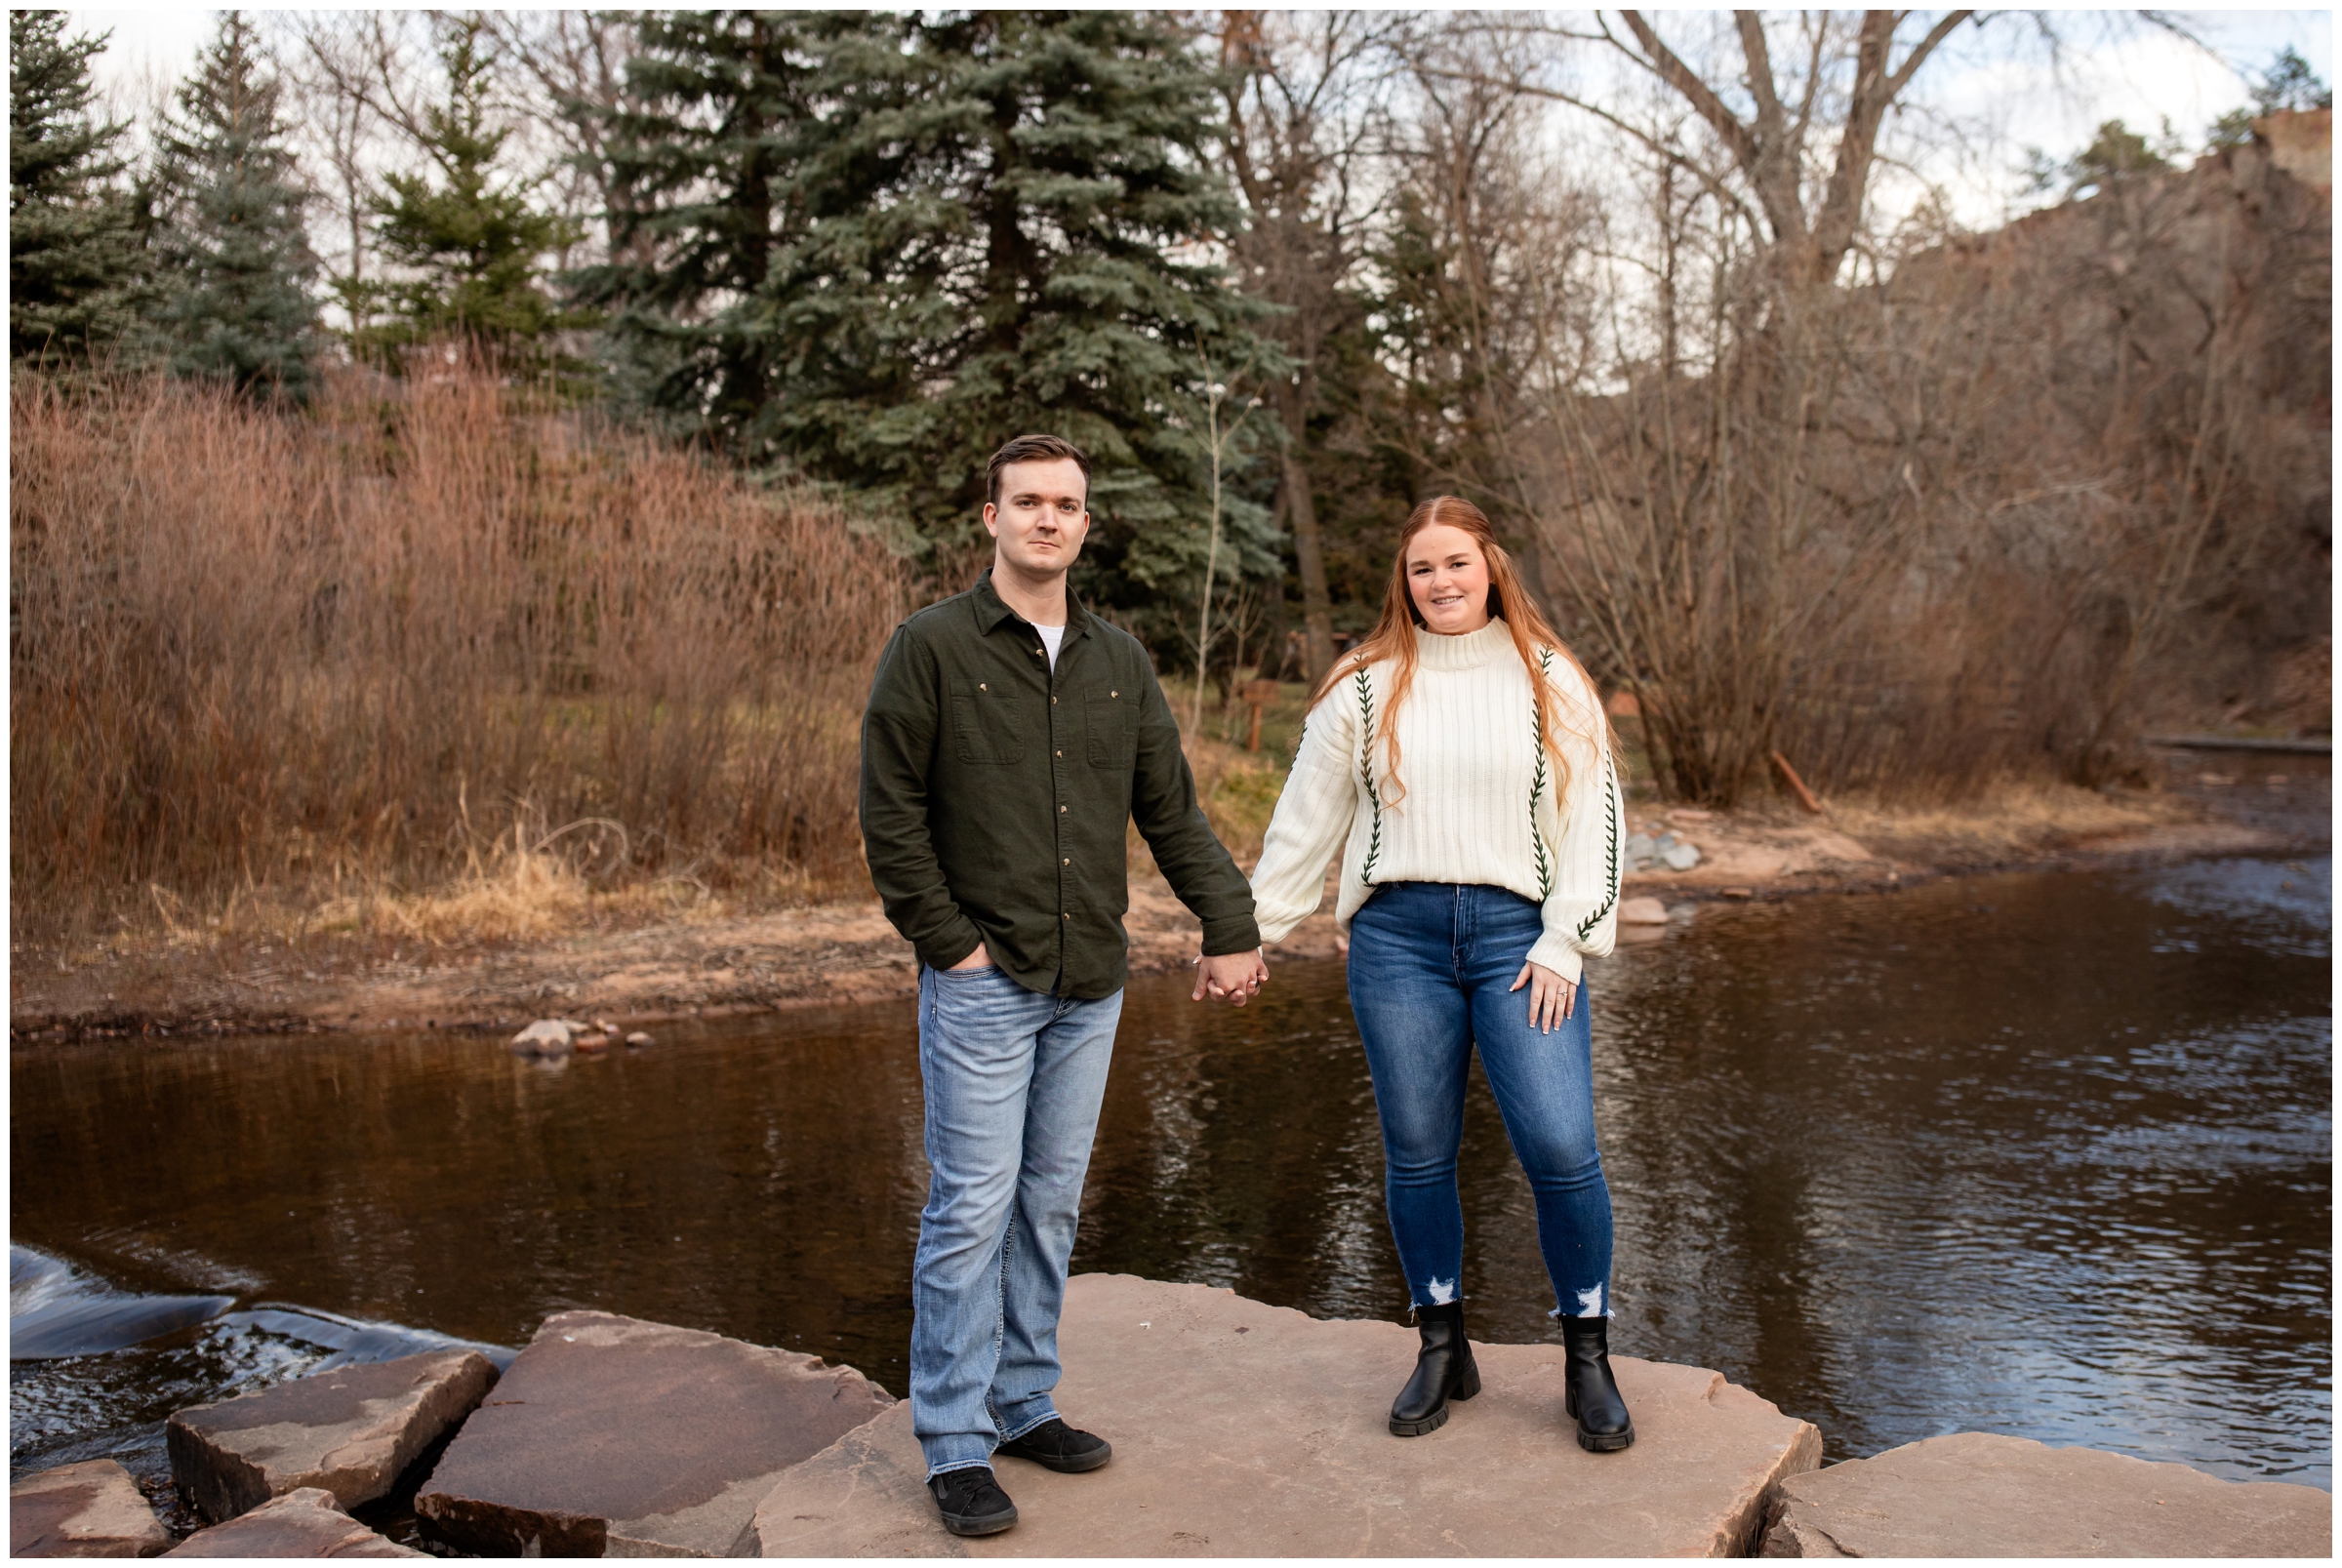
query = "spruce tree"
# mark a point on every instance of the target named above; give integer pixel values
(474, 236)
(238, 259)
(76, 267)
(938, 230)
(718, 118)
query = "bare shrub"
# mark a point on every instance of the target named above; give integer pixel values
(1918, 511)
(1979, 516)
(304, 659)
(2135, 522)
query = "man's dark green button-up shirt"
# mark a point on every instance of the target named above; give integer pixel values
(995, 795)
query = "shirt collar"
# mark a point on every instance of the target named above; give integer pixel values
(992, 610)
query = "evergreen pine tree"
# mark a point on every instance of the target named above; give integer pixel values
(716, 121)
(926, 233)
(76, 267)
(2118, 154)
(475, 239)
(2289, 83)
(239, 262)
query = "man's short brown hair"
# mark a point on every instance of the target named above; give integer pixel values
(1034, 449)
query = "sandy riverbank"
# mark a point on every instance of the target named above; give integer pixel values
(621, 965)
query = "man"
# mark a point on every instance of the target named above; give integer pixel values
(1010, 738)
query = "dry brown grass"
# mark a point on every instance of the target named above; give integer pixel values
(2010, 816)
(429, 658)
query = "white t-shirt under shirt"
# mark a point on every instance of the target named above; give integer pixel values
(1051, 637)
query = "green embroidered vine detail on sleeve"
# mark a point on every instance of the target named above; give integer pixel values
(1374, 798)
(1537, 784)
(1610, 802)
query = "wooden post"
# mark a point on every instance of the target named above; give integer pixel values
(1258, 694)
(1805, 795)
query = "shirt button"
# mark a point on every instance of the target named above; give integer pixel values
(1068, 863)
(1061, 753)
(1069, 915)
(1060, 811)
(1053, 702)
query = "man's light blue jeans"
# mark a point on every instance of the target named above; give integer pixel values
(1014, 1080)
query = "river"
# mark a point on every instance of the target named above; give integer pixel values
(2044, 1154)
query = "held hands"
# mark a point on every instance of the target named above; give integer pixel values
(1233, 978)
(1551, 998)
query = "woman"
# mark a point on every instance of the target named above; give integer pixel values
(1460, 761)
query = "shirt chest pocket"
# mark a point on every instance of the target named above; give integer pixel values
(1111, 717)
(984, 724)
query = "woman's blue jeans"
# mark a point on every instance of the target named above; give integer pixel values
(1430, 964)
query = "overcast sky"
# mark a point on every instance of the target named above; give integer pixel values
(2115, 67)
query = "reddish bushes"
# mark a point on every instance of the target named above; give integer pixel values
(288, 657)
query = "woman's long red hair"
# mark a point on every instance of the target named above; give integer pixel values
(1393, 638)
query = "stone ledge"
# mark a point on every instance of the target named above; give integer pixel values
(301, 1523)
(1242, 1430)
(1981, 1495)
(90, 1510)
(350, 1431)
(610, 1436)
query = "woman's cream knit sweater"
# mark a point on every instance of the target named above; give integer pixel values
(1481, 803)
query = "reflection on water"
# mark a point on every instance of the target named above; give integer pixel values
(2041, 1155)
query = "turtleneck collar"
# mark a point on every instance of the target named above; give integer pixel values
(1469, 651)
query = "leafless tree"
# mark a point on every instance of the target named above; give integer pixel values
(1482, 273)
(337, 123)
(1707, 454)
(1805, 142)
(1304, 94)
(573, 65)
(2160, 423)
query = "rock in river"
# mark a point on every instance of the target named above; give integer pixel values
(547, 1036)
(349, 1431)
(1641, 912)
(302, 1523)
(1982, 1495)
(1242, 1430)
(613, 1436)
(91, 1510)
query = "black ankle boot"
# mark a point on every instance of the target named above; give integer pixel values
(1443, 1370)
(1603, 1426)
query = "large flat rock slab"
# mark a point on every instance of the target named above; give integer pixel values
(90, 1510)
(612, 1436)
(1248, 1430)
(1980, 1494)
(302, 1523)
(350, 1431)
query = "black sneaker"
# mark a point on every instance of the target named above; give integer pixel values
(971, 1501)
(1054, 1445)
